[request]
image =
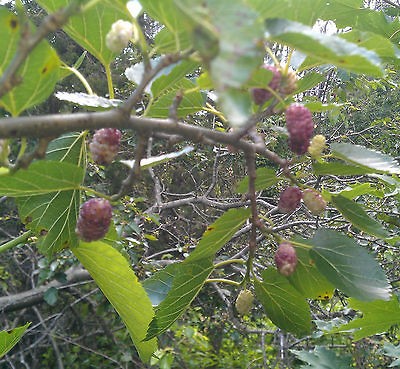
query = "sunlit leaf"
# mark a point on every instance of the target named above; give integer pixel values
(322, 358)
(39, 73)
(266, 177)
(9, 338)
(378, 317)
(91, 102)
(113, 274)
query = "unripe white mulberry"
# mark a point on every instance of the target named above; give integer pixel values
(244, 302)
(317, 146)
(120, 34)
(314, 201)
(105, 145)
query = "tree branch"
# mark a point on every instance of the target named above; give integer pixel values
(34, 296)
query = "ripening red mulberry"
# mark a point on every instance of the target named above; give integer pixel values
(261, 95)
(314, 201)
(94, 219)
(105, 145)
(289, 199)
(300, 126)
(286, 259)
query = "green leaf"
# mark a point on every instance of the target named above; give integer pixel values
(219, 233)
(355, 191)
(308, 280)
(236, 105)
(266, 177)
(40, 178)
(51, 296)
(52, 216)
(324, 49)
(39, 73)
(189, 278)
(9, 338)
(348, 266)
(339, 169)
(285, 306)
(321, 358)
(192, 101)
(357, 216)
(360, 155)
(113, 274)
(317, 106)
(89, 28)
(307, 82)
(377, 317)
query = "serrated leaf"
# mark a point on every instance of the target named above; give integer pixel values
(308, 280)
(339, 169)
(156, 160)
(308, 81)
(325, 49)
(360, 155)
(189, 278)
(68, 148)
(89, 28)
(219, 233)
(317, 106)
(357, 216)
(92, 102)
(113, 274)
(321, 358)
(286, 307)
(9, 338)
(356, 190)
(266, 177)
(348, 266)
(191, 102)
(51, 296)
(40, 178)
(378, 317)
(39, 73)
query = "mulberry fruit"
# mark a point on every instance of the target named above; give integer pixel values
(94, 219)
(300, 126)
(244, 302)
(120, 34)
(289, 199)
(314, 201)
(105, 145)
(317, 146)
(286, 259)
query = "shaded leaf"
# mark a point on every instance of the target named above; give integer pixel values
(266, 177)
(189, 278)
(321, 358)
(340, 169)
(308, 280)
(9, 338)
(90, 27)
(286, 307)
(307, 82)
(325, 49)
(360, 155)
(51, 296)
(378, 317)
(357, 216)
(348, 266)
(113, 274)
(39, 73)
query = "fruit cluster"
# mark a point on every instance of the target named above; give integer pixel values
(290, 198)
